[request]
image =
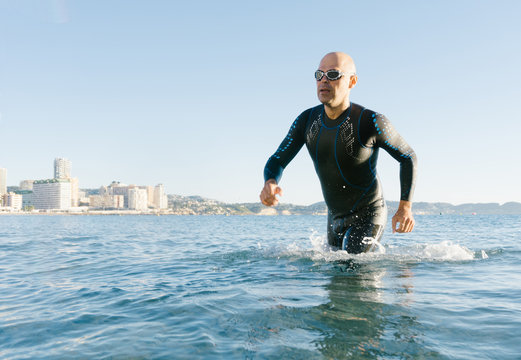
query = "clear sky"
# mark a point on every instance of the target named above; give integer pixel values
(198, 94)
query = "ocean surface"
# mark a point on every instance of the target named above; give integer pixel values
(252, 287)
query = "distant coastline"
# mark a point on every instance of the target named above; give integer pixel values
(197, 205)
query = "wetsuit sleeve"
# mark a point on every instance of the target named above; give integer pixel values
(389, 139)
(287, 150)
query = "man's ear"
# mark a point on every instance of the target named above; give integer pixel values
(352, 81)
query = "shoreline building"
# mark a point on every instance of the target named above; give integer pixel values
(52, 194)
(62, 168)
(160, 197)
(12, 200)
(150, 196)
(137, 199)
(111, 202)
(116, 188)
(3, 182)
(75, 192)
(27, 198)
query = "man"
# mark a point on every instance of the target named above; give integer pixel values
(343, 139)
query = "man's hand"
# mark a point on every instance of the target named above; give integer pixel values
(403, 221)
(267, 195)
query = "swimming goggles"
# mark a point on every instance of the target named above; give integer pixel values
(330, 74)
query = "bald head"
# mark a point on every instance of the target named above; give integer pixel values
(334, 94)
(338, 60)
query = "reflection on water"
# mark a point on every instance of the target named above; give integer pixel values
(358, 322)
(362, 309)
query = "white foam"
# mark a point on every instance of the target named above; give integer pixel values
(444, 251)
(318, 250)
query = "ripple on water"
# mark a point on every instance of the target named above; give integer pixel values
(141, 287)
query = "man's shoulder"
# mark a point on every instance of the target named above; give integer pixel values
(313, 110)
(366, 113)
(308, 114)
(362, 109)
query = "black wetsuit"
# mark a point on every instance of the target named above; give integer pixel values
(344, 152)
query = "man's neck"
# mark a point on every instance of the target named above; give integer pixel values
(335, 112)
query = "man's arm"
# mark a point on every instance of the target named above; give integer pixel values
(388, 138)
(276, 164)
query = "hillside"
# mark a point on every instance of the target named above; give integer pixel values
(196, 205)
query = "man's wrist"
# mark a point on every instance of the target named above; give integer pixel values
(271, 181)
(405, 205)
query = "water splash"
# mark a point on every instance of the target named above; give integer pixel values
(375, 245)
(443, 251)
(318, 249)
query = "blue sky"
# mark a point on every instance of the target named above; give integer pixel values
(197, 95)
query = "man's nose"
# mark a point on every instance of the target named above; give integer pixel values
(324, 78)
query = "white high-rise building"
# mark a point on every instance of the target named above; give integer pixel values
(3, 181)
(75, 192)
(62, 168)
(52, 194)
(160, 198)
(150, 195)
(137, 199)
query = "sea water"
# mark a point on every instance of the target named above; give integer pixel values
(251, 287)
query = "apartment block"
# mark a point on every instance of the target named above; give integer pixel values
(62, 168)
(52, 194)
(137, 199)
(3, 181)
(13, 201)
(107, 201)
(160, 198)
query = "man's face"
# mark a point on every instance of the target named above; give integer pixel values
(332, 92)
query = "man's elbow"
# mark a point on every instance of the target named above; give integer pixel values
(409, 159)
(413, 159)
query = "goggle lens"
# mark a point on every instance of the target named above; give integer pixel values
(330, 74)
